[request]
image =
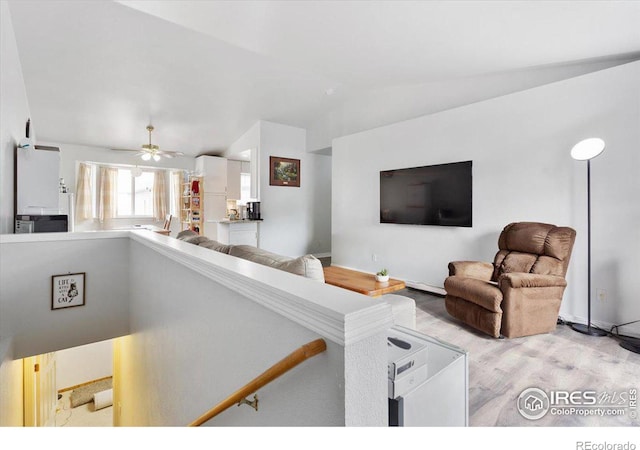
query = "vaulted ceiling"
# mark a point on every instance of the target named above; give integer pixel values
(97, 73)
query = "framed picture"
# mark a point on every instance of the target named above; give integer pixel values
(284, 171)
(67, 290)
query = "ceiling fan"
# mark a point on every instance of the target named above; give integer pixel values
(150, 150)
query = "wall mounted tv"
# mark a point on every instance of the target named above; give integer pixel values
(428, 195)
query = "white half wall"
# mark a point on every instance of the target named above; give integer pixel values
(14, 112)
(522, 171)
(203, 324)
(193, 326)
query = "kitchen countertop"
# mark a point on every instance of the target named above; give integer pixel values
(234, 221)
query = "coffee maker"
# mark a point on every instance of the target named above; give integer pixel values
(253, 210)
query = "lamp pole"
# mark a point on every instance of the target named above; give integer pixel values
(588, 149)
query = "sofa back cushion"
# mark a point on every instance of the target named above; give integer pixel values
(215, 245)
(308, 265)
(196, 240)
(186, 234)
(192, 237)
(532, 247)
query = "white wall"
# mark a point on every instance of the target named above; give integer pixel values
(14, 112)
(320, 204)
(85, 363)
(297, 220)
(27, 264)
(384, 106)
(286, 226)
(519, 144)
(249, 140)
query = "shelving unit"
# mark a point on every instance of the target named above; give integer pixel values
(191, 205)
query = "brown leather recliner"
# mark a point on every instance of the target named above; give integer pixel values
(520, 293)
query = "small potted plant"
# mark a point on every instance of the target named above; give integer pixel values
(382, 276)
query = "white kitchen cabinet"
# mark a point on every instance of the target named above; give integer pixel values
(234, 168)
(240, 232)
(215, 209)
(213, 170)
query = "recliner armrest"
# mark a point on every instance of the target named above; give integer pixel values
(471, 269)
(530, 280)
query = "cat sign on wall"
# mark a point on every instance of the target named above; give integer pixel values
(67, 290)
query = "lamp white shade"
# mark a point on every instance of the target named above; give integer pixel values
(156, 157)
(146, 156)
(587, 149)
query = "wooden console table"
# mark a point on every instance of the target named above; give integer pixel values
(364, 283)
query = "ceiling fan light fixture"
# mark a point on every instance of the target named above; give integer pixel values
(150, 150)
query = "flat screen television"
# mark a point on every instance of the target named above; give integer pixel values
(429, 195)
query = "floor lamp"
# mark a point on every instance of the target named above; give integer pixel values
(631, 344)
(586, 150)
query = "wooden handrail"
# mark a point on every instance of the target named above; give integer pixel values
(293, 359)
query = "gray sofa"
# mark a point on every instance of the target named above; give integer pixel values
(307, 266)
(403, 308)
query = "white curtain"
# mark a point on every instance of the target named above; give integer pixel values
(159, 195)
(176, 188)
(84, 190)
(108, 193)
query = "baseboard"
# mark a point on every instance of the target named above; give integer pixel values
(426, 288)
(83, 384)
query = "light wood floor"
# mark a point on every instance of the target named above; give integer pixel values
(83, 415)
(500, 369)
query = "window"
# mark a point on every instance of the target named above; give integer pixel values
(245, 188)
(175, 191)
(135, 194)
(130, 192)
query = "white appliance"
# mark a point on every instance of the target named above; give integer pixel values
(50, 223)
(37, 180)
(427, 381)
(39, 205)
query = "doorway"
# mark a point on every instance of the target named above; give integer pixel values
(70, 387)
